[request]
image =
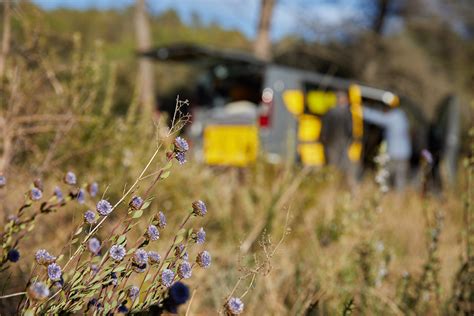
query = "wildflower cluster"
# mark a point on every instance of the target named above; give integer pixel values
(38, 201)
(99, 276)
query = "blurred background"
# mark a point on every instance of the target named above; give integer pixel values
(278, 91)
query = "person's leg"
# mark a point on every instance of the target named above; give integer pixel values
(400, 168)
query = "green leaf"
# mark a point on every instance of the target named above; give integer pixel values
(165, 174)
(78, 231)
(119, 269)
(29, 312)
(107, 306)
(121, 239)
(137, 214)
(179, 239)
(168, 165)
(148, 277)
(145, 205)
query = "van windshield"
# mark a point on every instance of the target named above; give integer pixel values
(223, 84)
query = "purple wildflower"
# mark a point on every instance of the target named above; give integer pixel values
(94, 245)
(136, 203)
(161, 218)
(43, 257)
(154, 257)
(93, 189)
(200, 236)
(140, 257)
(104, 207)
(199, 208)
(70, 178)
(179, 250)
(38, 291)
(90, 217)
(54, 272)
(133, 292)
(36, 194)
(203, 259)
(3, 181)
(167, 277)
(178, 294)
(181, 157)
(58, 285)
(234, 306)
(117, 252)
(13, 255)
(58, 193)
(185, 270)
(180, 145)
(152, 233)
(81, 196)
(94, 269)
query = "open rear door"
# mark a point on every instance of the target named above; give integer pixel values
(445, 138)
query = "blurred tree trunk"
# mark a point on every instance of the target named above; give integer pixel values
(145, 72)
(380, 16)
(262, 43)
(370, 67)
(5, 37)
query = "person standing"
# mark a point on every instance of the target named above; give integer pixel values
(397, 136)
(336, 135)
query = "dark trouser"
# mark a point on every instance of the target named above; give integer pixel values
(398, 169)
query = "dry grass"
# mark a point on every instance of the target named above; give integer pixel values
(318, 261)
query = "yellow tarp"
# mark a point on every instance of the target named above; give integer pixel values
(355, 150)
(309, 128)
(319, 102)
(294, 101)
(312, 154)
(230, 145)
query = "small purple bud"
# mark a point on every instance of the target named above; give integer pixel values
(38, 291)
(136, 203)
(3, 181)
(70, 178)
(180, 145)
(93, 189)
(167, 277)
(90, 217)
(199, 208)
(104, 208)
(81, 196)
(234, 306)
(54, 272)
(204, 259)
(36, 194)
(152, 233)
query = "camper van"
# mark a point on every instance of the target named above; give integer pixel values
(244, 107)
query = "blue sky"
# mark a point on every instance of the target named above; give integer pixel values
(234, 14)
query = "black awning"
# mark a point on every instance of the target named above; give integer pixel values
(195, 54)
